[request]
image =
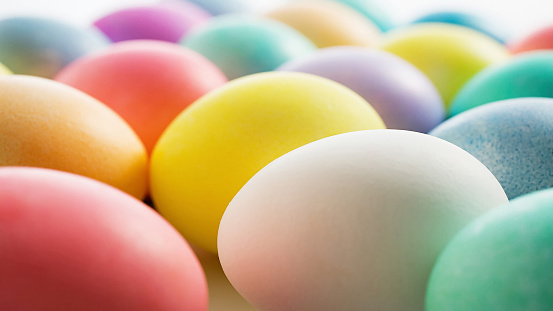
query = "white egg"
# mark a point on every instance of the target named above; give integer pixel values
(352, 222)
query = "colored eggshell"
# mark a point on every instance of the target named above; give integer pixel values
(328, 23)
(401, 94)
(511, 137)
(218, 7)
(51, 125)
(479, 23)
(351, 222)
(526, 75)
(167, 22)
(216, 145)
(71, 243)
(448, 54)
(42, 47)
(540, 39)
(501, 261)
(148, 83)
(241, 45)
(372, 10)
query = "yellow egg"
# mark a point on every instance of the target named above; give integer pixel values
(48, 124)
(216, 145)
(4, 70)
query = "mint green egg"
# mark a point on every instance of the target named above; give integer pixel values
(502, 261)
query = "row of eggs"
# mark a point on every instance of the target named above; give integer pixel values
(215, 146)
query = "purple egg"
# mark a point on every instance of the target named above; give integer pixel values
(166, 21)
(402, 95)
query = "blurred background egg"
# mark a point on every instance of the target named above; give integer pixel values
(42, 47)
(511, 137)
(218, 7)
(525, 75)
(448, 54)
(51, 125)
(4, 70)
(241, 45)
(501, 261)
(218, 143)
(374, 10)
(537, 39)
(351, 222)
(72, 243)
(401, 94)
(148, 83)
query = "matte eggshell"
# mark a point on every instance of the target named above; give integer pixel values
(501, 261)
(328, 23)
(48, 124)
(511, 137)
(351, 222)
(72, 243)
(216, 145)
(539, 39)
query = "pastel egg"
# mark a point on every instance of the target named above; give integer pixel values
(218, 7)
(243, 45)
(373, 11)
(328, 23)
(539, 39)
(511, 137)
(351, 222)
(4, 70)
(161, 22)
(71, 243)
(51, 125)
(401, 94)
(148, 83)
(448, 54)
(218, 143)
(42, 47)
(501, 261)
(526, 75)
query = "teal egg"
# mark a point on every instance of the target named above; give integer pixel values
(525, 75)
(373, 11)
(241, 45)
(501, 261)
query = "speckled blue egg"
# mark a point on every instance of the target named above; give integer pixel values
(513, 138)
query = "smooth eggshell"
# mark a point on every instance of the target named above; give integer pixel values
(351, 222)
(48, 124)
(72, 243)
(539, 39)
(373, 10)
(216, 145)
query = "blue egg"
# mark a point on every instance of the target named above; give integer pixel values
(486, 26)
(512, 138)
(42, 47)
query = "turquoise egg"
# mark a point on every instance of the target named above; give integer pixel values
(373, 11)
(501, 261)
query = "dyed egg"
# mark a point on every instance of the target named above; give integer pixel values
(501, 261)
(479, 23)
(449, 55)
(511, 137)
(218, 7)
(216, 145)
(42, 47)
(351, 222)
(540, 39)
(161, 22)
(242, 45)
(372, 10)
(401, 94)
(328, 23)
(48, 124)
(148, 83)
(526, 75)
(4, 70)
(72, 243)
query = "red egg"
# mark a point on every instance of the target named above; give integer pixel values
(541, 39)
(71, 243)
(148, 83)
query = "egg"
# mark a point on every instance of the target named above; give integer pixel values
(241, 45)
(71, 243)
(51, 125)
(525, 75)
(448, 54)
(218, 143)
(501, 261)
(538, 39)
(218, 7)
(42, 47)
(373, 10)
(401, 94)
(146, 82)
(511, 137)
(4, 70)
(351, 222)
(328, 23)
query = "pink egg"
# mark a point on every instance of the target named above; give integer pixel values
(71, 243)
